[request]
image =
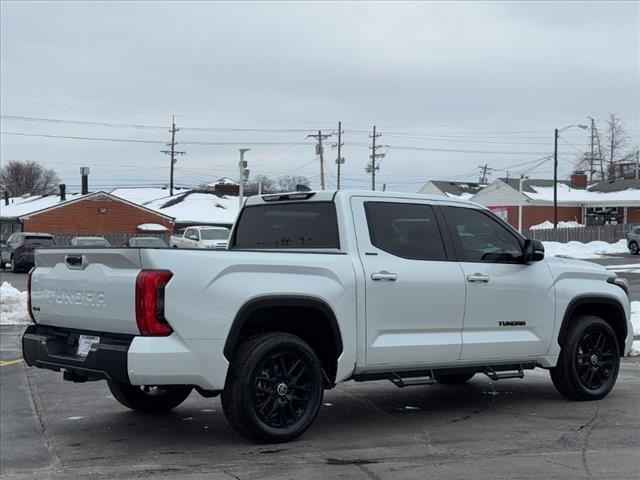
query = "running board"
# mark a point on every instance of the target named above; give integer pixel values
(400, 382)
(493, 375)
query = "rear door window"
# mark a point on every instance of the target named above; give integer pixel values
(288, 225)
(407, 230)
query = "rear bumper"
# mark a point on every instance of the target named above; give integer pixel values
(55, 349)
(138, 360)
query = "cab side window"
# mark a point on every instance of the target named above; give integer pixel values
(406, 230)
(481, 238)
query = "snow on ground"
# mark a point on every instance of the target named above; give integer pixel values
(630, 268)
(547, 225)
(584, 250)
(13, 305)
(152, 227)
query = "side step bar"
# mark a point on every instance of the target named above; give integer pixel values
(493, 375)
(409, 378)
(400, 382)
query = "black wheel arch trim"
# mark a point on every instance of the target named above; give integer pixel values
(586, 299)
(280, 301)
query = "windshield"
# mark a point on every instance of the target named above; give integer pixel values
(214, 234)
(147, 242)
(92, 242)
(288, 225)
(37, 241)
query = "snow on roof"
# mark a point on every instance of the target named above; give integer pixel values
(223, 180)
(463, 190)
(19, 206)
(145, 194)
(566, 194)
(152, 227)
(198, 207)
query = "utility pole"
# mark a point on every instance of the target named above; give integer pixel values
(373, 166)
(485, 171)
(637, 164)
(172, 153)
(340, 159)
(320, 151)
(591, 156)
(244, 174)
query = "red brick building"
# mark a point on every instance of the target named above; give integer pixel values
(98, 213)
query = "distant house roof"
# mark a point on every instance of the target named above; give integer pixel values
(198, 206)
(463, 190)
(616, 186)
(78, 197)
(20, 206)
(505, 192)
(223, 180)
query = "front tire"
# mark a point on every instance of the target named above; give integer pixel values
(633, 248)
(149, 399)
(14, 266)
(589, 360)
(274, 388)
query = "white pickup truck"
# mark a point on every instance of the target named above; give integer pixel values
(201, 237)
(318, 288)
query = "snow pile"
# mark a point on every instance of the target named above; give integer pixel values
(547, 225)
(13, 305)
(584, 250)
(152, 227)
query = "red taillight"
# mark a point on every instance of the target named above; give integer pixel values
(150, 302)
(29, 294)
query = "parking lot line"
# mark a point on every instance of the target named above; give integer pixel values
(4, 363)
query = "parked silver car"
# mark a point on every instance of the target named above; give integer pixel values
(633, 241)
(89, 242)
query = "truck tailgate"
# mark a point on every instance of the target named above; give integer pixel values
(86, 289)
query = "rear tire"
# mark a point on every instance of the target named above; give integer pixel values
(454, 379)
(589, 360)
(149, 399)
(274, 388)
(633, 248)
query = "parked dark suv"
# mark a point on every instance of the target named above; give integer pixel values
(18, 251)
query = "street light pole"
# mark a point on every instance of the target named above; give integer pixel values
(242, 164)
(555, 179)
(555, 170)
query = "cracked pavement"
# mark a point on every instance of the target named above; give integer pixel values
(505, 429)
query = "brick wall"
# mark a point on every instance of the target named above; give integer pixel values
(97, 216)
(535, 215)
(633, 215)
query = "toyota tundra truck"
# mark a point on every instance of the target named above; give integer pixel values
(318, 288)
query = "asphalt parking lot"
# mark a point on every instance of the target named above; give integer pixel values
(485, 429)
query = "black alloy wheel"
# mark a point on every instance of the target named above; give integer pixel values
(274, 388)
(589, 360)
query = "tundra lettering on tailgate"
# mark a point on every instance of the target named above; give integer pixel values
(91, 298)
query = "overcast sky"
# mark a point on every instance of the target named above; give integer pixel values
(450, 85)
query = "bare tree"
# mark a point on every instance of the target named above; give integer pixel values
(616, 138)
(27, 176)
(289, 183)
(268, 185)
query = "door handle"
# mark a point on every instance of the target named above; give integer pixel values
(384, 275)
(478, 278)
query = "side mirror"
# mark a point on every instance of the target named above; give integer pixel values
(533, 250)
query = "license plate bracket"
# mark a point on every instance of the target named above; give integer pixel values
(85, 342)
